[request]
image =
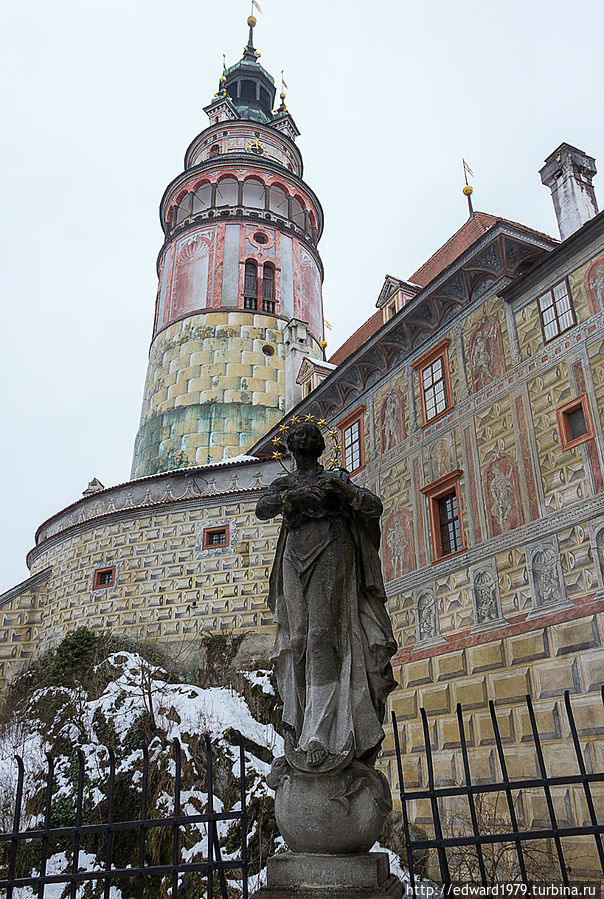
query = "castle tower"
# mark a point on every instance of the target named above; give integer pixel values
(239, 297)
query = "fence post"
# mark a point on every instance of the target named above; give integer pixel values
(442, 855)
(401, 787)
(16, 822)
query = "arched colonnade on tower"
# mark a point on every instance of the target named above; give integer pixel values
(230, 194)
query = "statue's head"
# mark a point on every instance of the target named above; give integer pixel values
(306, 439)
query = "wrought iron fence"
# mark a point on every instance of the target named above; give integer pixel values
(515, 837)
(214, 868)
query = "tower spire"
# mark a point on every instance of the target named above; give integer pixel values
(249, 51)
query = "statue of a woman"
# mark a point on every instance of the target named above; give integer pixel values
(334, 638)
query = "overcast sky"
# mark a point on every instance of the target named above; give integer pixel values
(99, 102)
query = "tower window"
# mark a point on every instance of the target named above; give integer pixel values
(103, 577)
(268, 288)
(574, 422)
(214, 150)
(213, 537)
(556, 311)
(250, 287)
(248, 90)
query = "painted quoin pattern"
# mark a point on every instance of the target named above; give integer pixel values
(239, 297)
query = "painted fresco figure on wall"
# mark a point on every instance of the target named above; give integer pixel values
(594, 281)
(426, 614)
(391, 420)
(486, 598)
(396, 541)
(334, 639)
(502, 489)
(502, 495)
(486, 353)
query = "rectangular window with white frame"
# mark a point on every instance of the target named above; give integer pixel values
(353, 451)
(556, 311)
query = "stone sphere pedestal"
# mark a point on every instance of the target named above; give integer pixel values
(330, 820)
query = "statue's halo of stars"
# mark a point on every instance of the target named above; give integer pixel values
(279, 439)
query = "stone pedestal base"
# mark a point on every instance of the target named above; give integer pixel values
(299, 876)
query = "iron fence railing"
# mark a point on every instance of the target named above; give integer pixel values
(516, 837)
(213, 867)
(474, 837)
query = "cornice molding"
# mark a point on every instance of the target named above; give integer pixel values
(30, 584)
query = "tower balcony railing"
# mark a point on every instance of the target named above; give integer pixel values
(250, 303)
(268, 215)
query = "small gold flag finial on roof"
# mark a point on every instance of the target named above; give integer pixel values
(468, 189)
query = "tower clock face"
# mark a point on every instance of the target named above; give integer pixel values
(254, 146)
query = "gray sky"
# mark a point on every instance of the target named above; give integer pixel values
(99, 102)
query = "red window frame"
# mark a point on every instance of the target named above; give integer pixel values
(99, 573)
(567, 441)
(208, 532)
(444, 487)
(441, 350)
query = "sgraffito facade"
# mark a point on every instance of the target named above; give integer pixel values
(516, 606)
(471, 402)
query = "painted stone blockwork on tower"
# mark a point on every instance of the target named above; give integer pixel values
(215, 383)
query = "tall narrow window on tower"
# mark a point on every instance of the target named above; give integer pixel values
(268, 288)
(250, 287)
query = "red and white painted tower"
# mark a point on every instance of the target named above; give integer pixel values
(239, 299)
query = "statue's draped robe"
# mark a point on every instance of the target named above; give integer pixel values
(334, 638)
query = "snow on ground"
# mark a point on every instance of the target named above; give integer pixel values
(132, 688)
(181, 711)
(60, 864)
(260, 678)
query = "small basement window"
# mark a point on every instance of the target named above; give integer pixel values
(574, 422)
(103, 577)
(213, 537)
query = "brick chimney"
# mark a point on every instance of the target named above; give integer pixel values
(568, 173)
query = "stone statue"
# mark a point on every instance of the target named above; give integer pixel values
(332, 656)
(334, 638)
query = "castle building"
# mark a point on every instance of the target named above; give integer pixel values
(239, 296)
(471, 401)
